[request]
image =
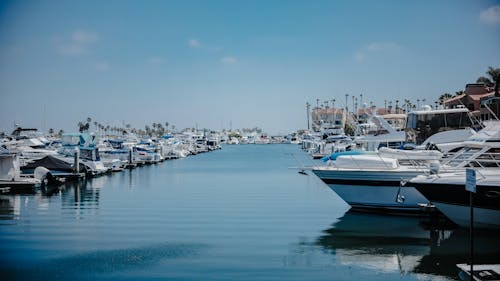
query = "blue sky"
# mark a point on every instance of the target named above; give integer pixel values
(245, 63)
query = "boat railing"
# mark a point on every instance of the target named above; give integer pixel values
(473, 158)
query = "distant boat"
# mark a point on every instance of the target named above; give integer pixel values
(84, 144)
(56, 168)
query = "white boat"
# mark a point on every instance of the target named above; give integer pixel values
(88, 153)
(447, 189)
(11, 180)
(447, 192)
(374, 181)
(378, 133)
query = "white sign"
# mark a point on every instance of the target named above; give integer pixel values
(470, 180)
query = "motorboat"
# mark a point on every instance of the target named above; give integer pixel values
(374, 181)
(447, 189)
(447, 192)
(11, 180)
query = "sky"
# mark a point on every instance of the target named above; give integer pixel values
(231, 64)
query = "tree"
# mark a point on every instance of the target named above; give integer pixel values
(485, 80)
(81, 127)
(494, 73)
(444, 97)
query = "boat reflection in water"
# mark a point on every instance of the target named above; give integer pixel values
(405, 245)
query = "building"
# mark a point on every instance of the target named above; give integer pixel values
(475, 97)
(328, 118)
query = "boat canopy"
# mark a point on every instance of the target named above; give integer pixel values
(50, 162)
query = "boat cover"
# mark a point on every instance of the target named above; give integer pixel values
(50, 162)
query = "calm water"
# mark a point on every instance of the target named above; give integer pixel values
(235, 214)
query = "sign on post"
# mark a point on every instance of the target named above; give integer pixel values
(470, 180)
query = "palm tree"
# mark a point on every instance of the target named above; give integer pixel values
(494, 73)
(81, 127)
(444, 97)
(485, 80)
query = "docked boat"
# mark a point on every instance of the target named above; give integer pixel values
(56, 169)
(371, 181)
(447, 192)
(374, 181)
(88, 153)
(11, 180)
(447, 189)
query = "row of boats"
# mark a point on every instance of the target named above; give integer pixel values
(411, 179)
(30, 160)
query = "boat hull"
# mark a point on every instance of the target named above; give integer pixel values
(380, 197)
(483, 218)
(373, 190)
(453, 201)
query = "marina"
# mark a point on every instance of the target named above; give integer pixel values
(249, 140)
(224, 215)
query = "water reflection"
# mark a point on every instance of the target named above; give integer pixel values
(10, 207)
(80, 198)
(403, 245)
(443, 257)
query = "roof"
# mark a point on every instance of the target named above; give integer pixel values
(454, 98)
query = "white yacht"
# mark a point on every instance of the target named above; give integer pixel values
(374, 181)
(447, 191)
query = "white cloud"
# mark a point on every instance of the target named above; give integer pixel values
(156, 60)
(382, 46)
(79, 43)
(84, 37)
(375, 47)
(194, 43)
(72, 49)
(229, 60)
(101, 65)
(491, 15)
(359, 56)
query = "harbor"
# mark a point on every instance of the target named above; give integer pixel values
(248, 205)
(223, 215)
(249, 140)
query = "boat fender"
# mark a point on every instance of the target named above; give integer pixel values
(434, 167)
(43, 174)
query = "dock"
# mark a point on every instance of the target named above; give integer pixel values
(482, 272)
